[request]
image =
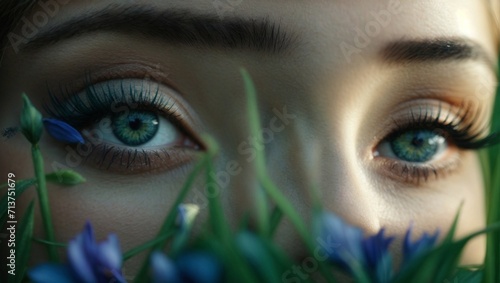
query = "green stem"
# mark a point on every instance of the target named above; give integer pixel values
(43, 200)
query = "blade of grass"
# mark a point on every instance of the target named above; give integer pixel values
(170, 218)
(492, 262)
(217, 218)
(276, 217)
(137, 250)
(269, 187)
(45, 242)
(260, 160)
(440, 262)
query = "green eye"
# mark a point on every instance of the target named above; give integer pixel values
(136, 127)
(417, 145)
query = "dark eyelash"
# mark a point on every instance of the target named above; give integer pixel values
(91, 106)
(460, 129)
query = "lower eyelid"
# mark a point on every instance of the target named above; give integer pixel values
(419, 173)
(136, 161)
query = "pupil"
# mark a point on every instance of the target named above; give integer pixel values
(418, 141)
(135, 124)
(416, 146)
(135, 128)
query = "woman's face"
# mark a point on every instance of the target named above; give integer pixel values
(364, 100)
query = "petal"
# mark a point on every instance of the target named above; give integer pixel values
(62, 131)
(413, 249)
(341, 241)
(109, 254)
(79, 262)
(378, 258)
(49, 273)
(163, 269)
(375, 248)
(199, 267)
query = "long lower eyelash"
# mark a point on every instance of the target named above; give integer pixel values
(462, 129)
(417, 174)
(80, 110)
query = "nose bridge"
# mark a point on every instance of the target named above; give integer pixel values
(304, 161)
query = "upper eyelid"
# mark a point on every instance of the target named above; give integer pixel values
(460, 124)
(152, 96)
(69, 105)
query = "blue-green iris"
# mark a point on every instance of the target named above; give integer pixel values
(136, 127)
(416, 146)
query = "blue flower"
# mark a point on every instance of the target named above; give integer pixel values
(62, 131)
(341, 241)
(164, 269)
(347, 248)
(378, 258)
(411, 250)
(195, 267)
(88, 262)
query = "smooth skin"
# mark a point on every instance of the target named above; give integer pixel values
(334, 108)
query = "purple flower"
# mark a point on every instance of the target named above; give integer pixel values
(411, 250)
(378, 258)
(195, 267)
(88, 262)
(62, 131)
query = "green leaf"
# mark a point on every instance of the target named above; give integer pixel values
(31, 121)
(24, 234)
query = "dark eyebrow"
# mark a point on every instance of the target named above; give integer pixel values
(435, 50)
(174, 26)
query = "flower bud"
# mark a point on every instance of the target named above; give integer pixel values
(65, 177)
(186, 215)
(31, 121)
(62, 131)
